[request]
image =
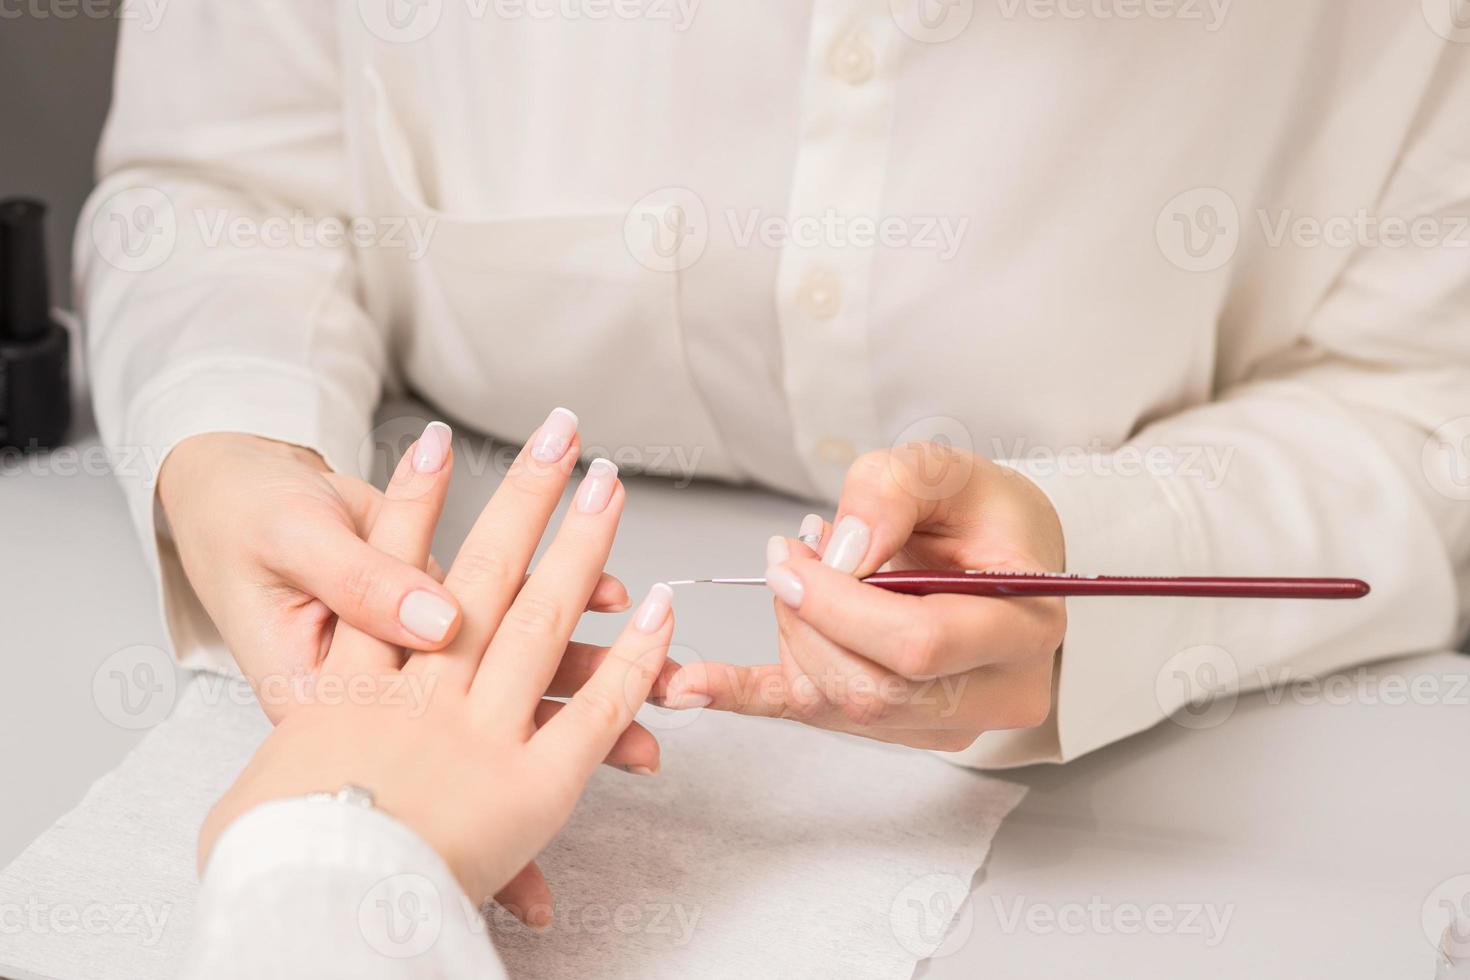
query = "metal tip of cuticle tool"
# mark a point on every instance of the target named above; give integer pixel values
(719, 581)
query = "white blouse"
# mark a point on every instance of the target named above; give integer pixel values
(1200, 268)
(301, 889)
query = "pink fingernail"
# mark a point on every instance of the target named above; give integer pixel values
(597, 486)
(654, 609)
(848, 545)
(810, 532)
(777, 550)
(687, 702)
(788, 588)
(426, 614)
(555, 435)
(432, 449)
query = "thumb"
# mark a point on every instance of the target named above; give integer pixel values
(379, 595)
(891, 493)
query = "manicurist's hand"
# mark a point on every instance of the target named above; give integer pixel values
(931, 672)
(459, 744)
(272, 543)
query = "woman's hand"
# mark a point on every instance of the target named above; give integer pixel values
(931, 672)
(272, 542)
(459, 744)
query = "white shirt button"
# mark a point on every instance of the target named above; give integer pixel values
(852, 60)
(820, 296)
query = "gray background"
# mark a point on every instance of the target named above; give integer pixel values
(55, 82)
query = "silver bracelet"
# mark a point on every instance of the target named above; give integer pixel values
(350, 794)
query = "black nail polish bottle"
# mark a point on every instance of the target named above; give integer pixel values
(35, 376)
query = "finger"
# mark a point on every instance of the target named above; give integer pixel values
(581, 735)
(491, 565)
(390, 599)
(436, 571)
(759, 691)
(917, 636)
(609, 596)
(404, 529)
(527, 896)
(847, 685)
(889, 494)
(529, 642)
(361, 499)
(635, 751)
(581, 661)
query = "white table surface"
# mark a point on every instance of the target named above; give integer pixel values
(1314, 828)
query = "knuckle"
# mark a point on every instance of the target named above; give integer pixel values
(358, 586)
(602, 710)
(865, 709)
(528, 480)
(483, 566)
(534, 615)
(918, 649)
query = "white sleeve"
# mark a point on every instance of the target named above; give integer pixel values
(216, 294)
(1343, 457)
(300, 889)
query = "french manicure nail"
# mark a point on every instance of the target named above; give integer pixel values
(426, 614)
(810, 532)
(777, 550)
(554, 436)
(786, 585)
(640, 770)
(848, 545)
(597, 486)
(432, 449)
(654, 609)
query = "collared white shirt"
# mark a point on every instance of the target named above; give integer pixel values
(1201, 269)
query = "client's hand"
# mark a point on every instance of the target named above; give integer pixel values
(459, 744)
(931, 672)
(271, 541)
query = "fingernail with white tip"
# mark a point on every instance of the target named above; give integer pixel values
(432, 449)
(555, 435)
(597, 486)
(654, 609)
